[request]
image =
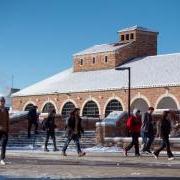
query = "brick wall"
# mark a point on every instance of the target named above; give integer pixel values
(143, 44)
(99, 61)
(101, 97)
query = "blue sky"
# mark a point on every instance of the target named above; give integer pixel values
(38, 37)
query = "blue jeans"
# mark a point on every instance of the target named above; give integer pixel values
(74, 137)
(147, 140)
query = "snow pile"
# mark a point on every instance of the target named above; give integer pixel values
(16, 115)
(104, 149)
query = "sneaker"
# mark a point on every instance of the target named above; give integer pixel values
(63, 153)
(81, 154)
(155, 155)
(125, 152)
(148, 152)
(3, 163)
(171, 158)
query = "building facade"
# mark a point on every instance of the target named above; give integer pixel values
(93, 84)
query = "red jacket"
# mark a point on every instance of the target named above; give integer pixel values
(134, 124)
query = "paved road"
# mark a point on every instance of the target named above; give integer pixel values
(94, 165)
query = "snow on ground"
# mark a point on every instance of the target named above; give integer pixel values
(95, 149)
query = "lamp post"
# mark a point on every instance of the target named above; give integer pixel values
(129, 85)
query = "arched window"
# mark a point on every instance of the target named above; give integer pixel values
(67, 108)
(91, 109)
(140, 104)
(167, 103)
(47, 107)
(28, 107)
(113, 105)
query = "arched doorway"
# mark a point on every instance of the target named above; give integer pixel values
(47, 107)
(90, 109)
(67, 108)
(167, 103)
(113, 105)
(28, 107)
(140, 104)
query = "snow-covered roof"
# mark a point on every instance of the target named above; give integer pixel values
(136, 27)
(102, 48)
(151, 71)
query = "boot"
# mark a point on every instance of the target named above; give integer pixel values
(81, 154)
(46, 149)
(64, 153)
(55, 149)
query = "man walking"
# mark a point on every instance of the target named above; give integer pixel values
(50, 130)
(165, 126)
(73, 131)
(134, 127)
(32, 120)
(4, 128)
(147, 131)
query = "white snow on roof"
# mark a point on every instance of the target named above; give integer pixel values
(101, 48)
(136, 27)
(151, 71)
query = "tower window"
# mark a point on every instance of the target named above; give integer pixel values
(132, 36)
(122, 37)
(105, 59)
(94, 60)
(81, 62)
(127, 36)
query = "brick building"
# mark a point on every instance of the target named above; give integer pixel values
(93, 84)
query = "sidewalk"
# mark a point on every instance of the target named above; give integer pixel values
(36, 164)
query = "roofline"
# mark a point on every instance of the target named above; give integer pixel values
(124, 45)
(98, 90)
(139, 28)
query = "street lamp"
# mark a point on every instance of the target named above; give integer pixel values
(129, 85)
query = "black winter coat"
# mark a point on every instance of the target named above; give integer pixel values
(32, 115)
(70, 127)
(50, 123)
(165, 128)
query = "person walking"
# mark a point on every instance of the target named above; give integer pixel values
(73, 132)
(165, 128)
(134, 127)
(147, 131)
(32, 120)
(50, 130)
(4, 128)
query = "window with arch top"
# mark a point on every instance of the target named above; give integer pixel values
(113, 105)
(91, 109)
(47, 107)
(67, 108)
